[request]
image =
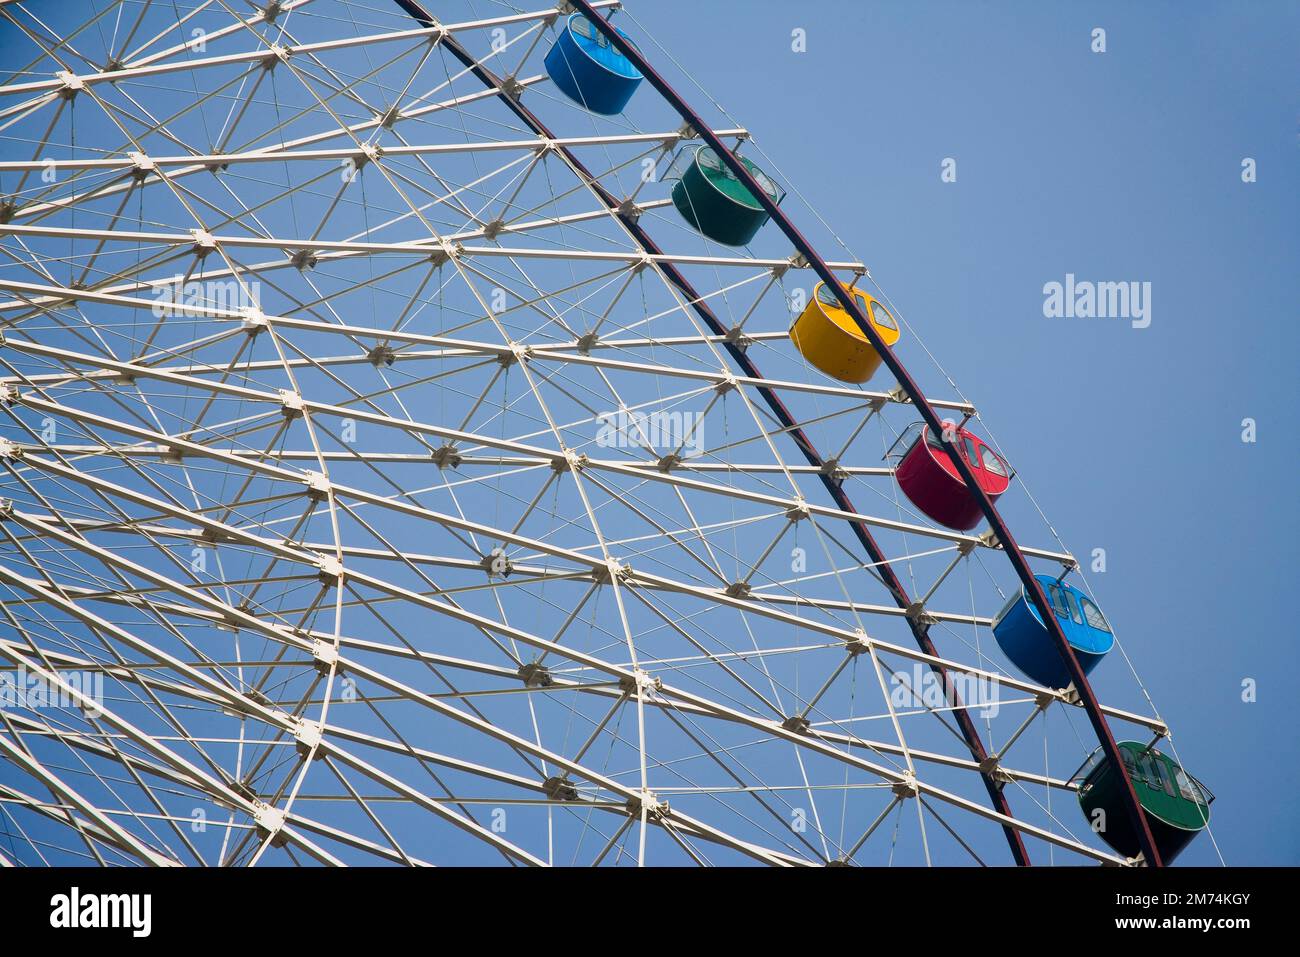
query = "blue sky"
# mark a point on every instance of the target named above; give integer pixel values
(1123, 165)
(1116, 166)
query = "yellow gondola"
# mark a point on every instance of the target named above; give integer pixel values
(829, 338)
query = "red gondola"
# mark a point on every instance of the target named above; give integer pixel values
(930, 480)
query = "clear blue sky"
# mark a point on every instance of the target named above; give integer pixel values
(1117, 166)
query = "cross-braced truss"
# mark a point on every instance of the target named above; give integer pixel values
(376, 490)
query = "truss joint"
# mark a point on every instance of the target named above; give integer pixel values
(446, 456)
(991, 768)
(832, 470)
(906, 788)
(631, 212)
(324, 655)
(204, 241)
(559, 789)
(308, 734)
(71, 84)
(536, 675)
(446, 252)
(291, 404)
(270, 821)
(797, 724)
(142, 166)
(329, 570)
(569, 461)
(370, 153)
(735, 336)
(276, 55)
(916, 612)
(646, 799)
(738, 590)
(513, 88)
(318, 486)
(858, 645)
(497, 564)
(641, 683)
(611, 570)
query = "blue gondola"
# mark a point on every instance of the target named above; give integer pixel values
(1021, 634)
(587, 68)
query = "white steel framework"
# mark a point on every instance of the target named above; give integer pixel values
(369, 494)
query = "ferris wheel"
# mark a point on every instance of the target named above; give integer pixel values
(429, 438)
